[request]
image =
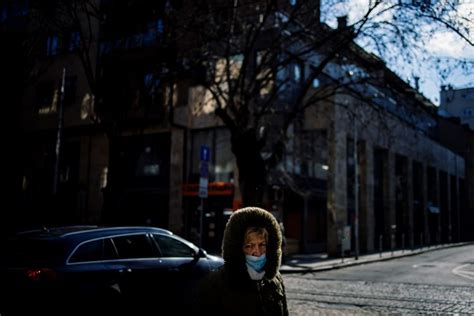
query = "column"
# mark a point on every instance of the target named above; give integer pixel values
(426, 231)
(366, 210)
(389, 200)
(175, 219)
(410, 239)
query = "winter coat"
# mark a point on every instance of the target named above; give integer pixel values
(230, 290)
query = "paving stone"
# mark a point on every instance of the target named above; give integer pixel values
(307, 296)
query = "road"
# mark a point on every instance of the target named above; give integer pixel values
(439, 281)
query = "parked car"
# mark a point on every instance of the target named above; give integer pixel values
(89, 267)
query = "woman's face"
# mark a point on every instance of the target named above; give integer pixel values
(255, 244)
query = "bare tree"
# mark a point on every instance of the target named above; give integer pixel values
(263, 63)
(266, 62)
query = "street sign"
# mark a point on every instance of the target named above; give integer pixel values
(204, 169)
(203, 193)
(203, 188)
(205, 153)
(204, 172)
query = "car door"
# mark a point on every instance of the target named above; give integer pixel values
(185, 266)
(138, 268)
(87, 273)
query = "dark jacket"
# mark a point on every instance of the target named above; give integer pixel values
(230, 291)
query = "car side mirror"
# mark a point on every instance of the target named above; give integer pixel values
(201, 253)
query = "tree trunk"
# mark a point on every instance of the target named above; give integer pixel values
(252, 172)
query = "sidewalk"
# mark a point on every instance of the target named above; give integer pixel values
(306, 263)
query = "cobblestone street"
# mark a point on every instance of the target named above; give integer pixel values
(308, 296)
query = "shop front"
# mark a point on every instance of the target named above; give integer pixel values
(205, 218)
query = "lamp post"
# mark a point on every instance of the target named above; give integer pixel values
(356, 195)
(57, 149)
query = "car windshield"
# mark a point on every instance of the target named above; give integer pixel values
(27, 252)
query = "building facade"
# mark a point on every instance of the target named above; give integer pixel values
(458, 103)
(460, 139)
(115, 138)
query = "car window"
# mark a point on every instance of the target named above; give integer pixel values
(96, 250)
(171, 247)
(134, 246)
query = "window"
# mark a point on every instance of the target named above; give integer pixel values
(74, 41)
(52, 45)
(316, 83)
(231, 67)
(224, 159)
(265, 73)
(292, 2)
(20, 8)
(148, 163)
(134, 246)
(171, 247)
(293, 71)
(95, 250)
(154, 31)
(159, 26)
(297, 72)
(468, 112)
(151, 90)
(3, 14)
(150, 82)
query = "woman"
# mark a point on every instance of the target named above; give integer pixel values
(249, 283)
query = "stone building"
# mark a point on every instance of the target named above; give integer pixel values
(458, 103)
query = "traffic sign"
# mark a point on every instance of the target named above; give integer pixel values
(204, 172)
(204, 169)
(205, 153)
(203, 187)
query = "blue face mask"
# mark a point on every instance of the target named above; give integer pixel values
(256, 263)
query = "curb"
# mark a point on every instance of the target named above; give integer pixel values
(303, 269)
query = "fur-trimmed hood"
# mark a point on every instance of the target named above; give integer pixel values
(234, 234)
